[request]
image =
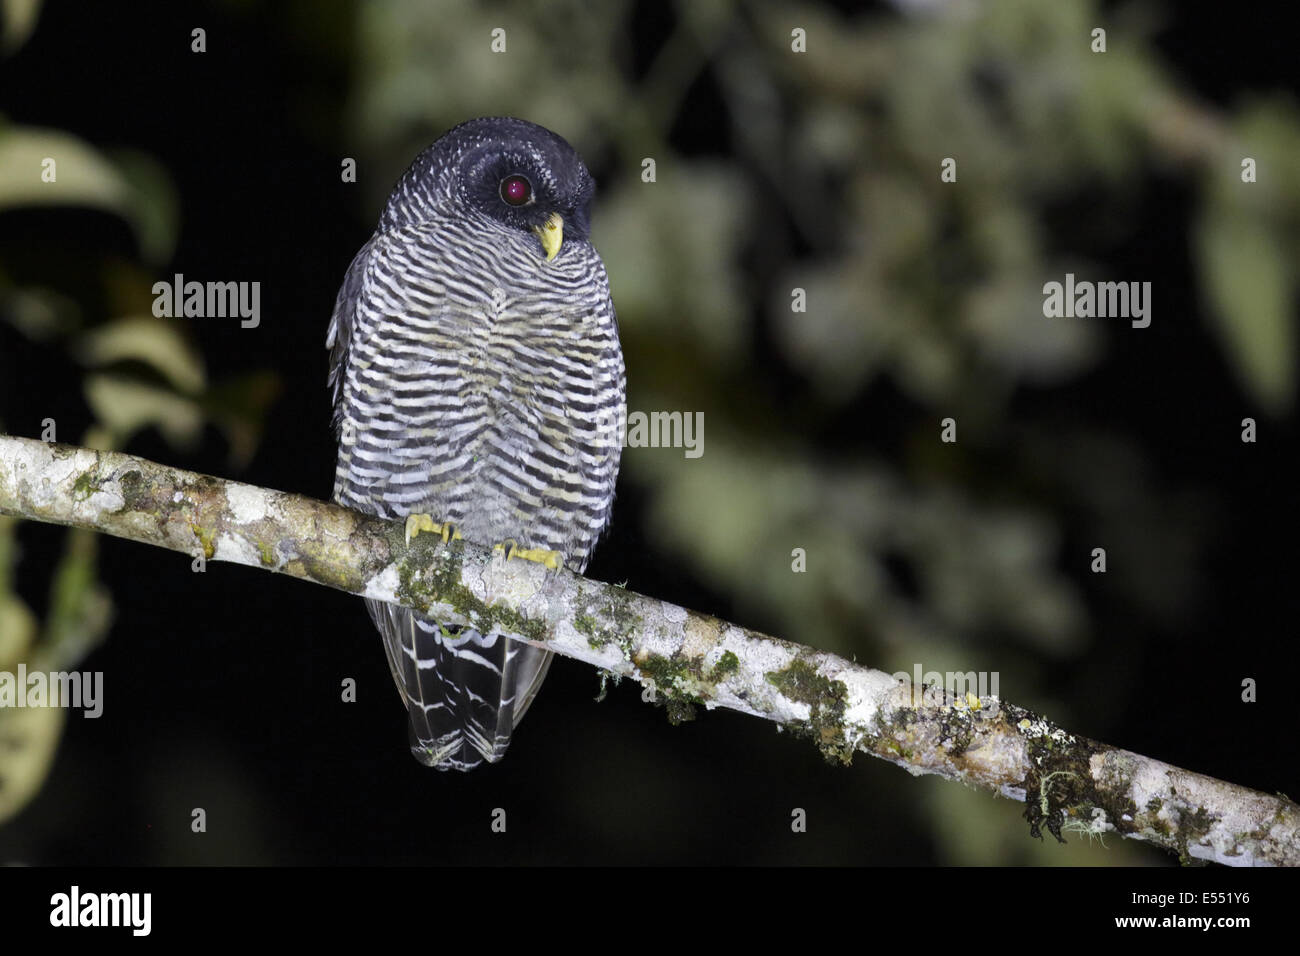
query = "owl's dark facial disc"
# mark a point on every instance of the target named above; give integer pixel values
(504, 172)
(521, 175)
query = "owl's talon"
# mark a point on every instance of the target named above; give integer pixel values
(422, 522)
(551, 560)
(417, 523)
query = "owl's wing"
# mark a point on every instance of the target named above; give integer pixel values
(339, 338)
(464, 693)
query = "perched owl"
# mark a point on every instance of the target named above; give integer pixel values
(478, 386)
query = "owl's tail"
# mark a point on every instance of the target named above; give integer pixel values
(465, 693)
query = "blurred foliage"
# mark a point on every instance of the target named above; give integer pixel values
(142, 372)
(817, 171)
(1247, 244)
(129, 185)
(825, 177)
(832, 178)
(18, 18)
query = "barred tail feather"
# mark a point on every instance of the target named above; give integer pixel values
(465, 693)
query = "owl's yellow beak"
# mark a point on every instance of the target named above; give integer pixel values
(551, 233)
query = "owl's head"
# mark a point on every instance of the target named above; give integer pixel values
(517, 174)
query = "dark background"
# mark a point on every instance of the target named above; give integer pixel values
(222, 690)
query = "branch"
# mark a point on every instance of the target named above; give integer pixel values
(1068, 782)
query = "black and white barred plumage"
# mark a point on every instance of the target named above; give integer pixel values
(480, 383)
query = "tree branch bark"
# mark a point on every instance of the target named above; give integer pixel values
(1068, 782)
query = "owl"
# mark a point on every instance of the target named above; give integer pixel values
(479, 389)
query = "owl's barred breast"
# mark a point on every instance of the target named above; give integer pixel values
(484, 386)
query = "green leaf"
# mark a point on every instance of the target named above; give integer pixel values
(19, 22)
(156, 342)
(17, 630)
(42, 315)
(82, 176)
(125, 406)
(29, 738)
(134, 188)
(155, 206)
(81, 609)
(1246, 272)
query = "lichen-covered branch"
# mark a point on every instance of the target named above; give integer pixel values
(1067, 782)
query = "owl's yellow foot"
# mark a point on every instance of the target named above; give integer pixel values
(421, 522)
(552, 560)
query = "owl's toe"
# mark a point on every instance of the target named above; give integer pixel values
(422, 522)
(552, 560)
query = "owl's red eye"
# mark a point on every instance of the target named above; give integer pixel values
(516, 190)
